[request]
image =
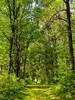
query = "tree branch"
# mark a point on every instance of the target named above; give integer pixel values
(64, 1)
(60, 18)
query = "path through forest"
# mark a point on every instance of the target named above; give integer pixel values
(40, 94)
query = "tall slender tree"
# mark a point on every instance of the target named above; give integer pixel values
(69, 29)
(14, 36)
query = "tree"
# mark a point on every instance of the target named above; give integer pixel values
(69, 29)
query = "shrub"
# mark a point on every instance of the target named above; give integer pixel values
(11, 88)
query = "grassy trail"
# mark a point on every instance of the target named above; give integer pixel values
(40, 94)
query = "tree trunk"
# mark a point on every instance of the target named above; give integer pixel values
(24, 66)
(10, 56)
(25, 59)
(17, 56)
(69, 34)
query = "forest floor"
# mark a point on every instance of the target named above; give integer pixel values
(44, 93)
(13, 89)
(40, 94)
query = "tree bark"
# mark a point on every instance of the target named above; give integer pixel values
(17, 55)
(70, 35)
(10, 55)
(14, 38)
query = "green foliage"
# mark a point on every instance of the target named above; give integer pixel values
(11, 88)
(39, 48)
(65, 87)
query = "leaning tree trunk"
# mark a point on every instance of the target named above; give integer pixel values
(69, 34)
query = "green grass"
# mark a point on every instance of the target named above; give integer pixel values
(45, 93)
(12, 88)
(40, 94)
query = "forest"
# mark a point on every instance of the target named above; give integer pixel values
(37, 49)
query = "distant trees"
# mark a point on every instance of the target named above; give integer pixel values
(37, 38)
